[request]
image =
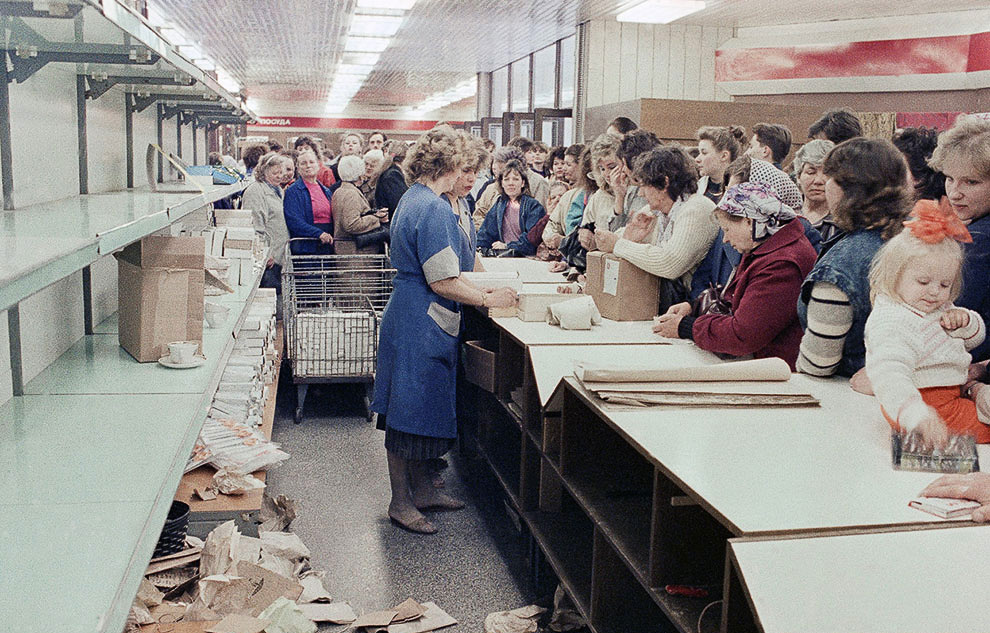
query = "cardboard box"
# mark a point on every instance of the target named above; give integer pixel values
(216, 246)
(233, 217)
(240, 233)
(621, 291)
(160, 294)
(479, 363)
(238, 245)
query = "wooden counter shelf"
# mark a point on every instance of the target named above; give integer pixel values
(205, 515)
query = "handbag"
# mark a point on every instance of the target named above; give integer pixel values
(570, 247)
(712, 299)
(373, 237)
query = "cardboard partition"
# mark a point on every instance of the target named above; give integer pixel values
(621, 291)
(479, 363)
(160, 284)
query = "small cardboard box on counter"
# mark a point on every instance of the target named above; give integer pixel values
(621, 291)
(160, 294)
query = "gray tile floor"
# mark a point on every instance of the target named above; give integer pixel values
(337, 473)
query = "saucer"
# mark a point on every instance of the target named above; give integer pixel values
(195, 362)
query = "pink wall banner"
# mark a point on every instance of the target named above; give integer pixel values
(917, 56)
(937, 120)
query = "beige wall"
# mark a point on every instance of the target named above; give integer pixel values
(630, 61)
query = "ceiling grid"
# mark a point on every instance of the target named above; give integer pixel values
(287, 52)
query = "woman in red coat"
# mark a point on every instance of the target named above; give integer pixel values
(764, 288)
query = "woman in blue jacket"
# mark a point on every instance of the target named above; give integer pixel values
(513, 214)
(307, 209)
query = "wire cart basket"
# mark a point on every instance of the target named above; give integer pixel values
(333, 306)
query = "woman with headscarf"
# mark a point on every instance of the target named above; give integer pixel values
(722, 258)
(763, 293)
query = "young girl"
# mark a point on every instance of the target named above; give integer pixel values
(917, 341)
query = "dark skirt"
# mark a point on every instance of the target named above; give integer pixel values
(413, 446)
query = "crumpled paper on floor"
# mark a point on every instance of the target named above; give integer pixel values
(234, 483)
(283, 544)
(148, 594)
(521, 620)
(219, 550)
(565, 617)
(575, 314)
(284, 616)
(219, 596)
(276, 513)
(313, 588)
(278, 564)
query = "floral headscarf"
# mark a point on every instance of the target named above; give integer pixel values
(778, 181)
(759, 203)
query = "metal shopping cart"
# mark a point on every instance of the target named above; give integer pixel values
(333, 305)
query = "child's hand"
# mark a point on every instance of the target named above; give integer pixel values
(933, 431)
(954, 318)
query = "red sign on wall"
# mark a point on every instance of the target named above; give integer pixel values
(350, 124)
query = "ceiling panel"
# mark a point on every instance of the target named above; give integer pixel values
(284, 53)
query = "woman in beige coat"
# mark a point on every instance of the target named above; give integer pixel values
(351, 212)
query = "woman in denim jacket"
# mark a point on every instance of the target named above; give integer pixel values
(513, 215)
(868, 197)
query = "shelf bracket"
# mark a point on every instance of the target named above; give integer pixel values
(30, 52)
(98, 86)
(26, 10)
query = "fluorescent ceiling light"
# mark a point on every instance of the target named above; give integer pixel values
(402, 5)
(360, 59)
(228, 82)
(354, 69)
(366, 44)
(252, 104)
(459, 92)
(660, 11)
(205, 63)
(374, 25)
(155, 17)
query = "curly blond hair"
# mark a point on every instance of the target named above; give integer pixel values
(474, 154)
(434, 154)
(969, 137)
(602, 147)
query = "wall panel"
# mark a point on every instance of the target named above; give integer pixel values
(51, 321)
(627, 62)
(632, 61)
(6, 387)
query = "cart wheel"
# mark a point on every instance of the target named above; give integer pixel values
(297, 417)
(367, 407)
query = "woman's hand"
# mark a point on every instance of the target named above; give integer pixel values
(587, 240)
(605, 240)
(558, 267)
(501, 298)
(554, 241)
(860, 382)
(666, 324)
(498, 245)
(326, 238)
(270, 262)
(681, 309)
(640, 226)
(974, 486)
(954, 318)
(382, 215)
(619, 181)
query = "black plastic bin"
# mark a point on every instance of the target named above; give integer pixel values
(173, 537)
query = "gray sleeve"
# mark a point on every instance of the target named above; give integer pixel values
(442, 265)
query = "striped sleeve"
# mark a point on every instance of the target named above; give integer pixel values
(830, 317)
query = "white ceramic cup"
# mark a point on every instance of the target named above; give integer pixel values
(182, 352)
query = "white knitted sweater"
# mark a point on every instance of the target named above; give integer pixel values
(907, 350)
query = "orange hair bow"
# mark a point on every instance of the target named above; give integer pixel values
(933, 223)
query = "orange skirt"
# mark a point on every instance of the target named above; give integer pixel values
(959, 413)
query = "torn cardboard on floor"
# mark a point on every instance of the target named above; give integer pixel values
(334, 612)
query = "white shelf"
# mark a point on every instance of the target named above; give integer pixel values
(43, 243)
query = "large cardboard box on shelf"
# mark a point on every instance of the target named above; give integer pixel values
(479, 363)
(160, 284)
(621, 291)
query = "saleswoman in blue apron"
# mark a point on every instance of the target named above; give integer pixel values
(417, 351)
